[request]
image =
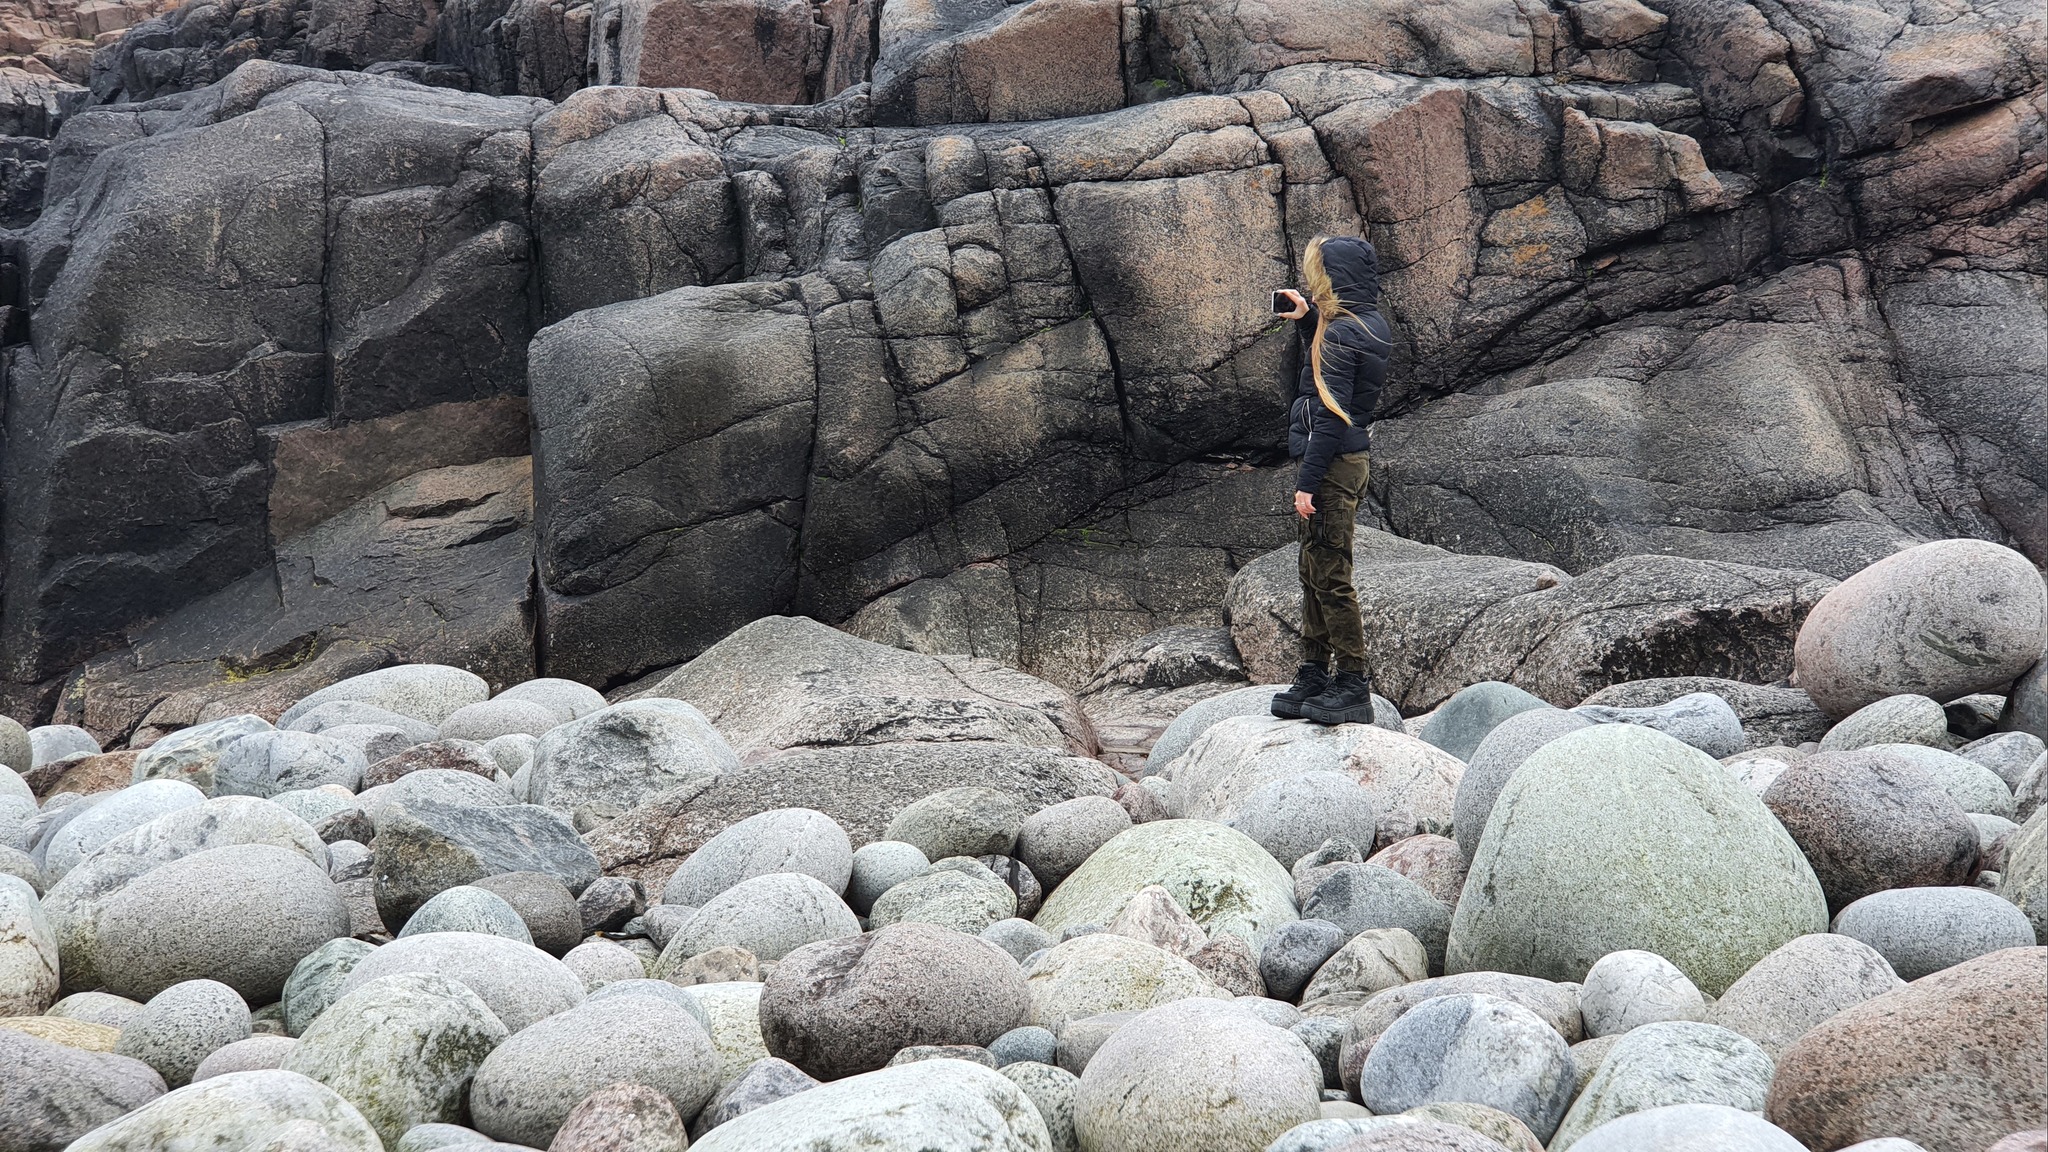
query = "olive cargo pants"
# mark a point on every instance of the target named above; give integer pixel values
(1330, 621)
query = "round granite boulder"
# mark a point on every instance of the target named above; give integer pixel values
(1222, 877)
(1196, 1076)
(240, 1112)
(1619, 837)
(1867, 821)
(1941, 620)
(1512, 741)
(529, 1084)
(1920, 931)
(1799, 986)
(517, 982)
(1473, 1048)
(1673, 1062)
(781, 840)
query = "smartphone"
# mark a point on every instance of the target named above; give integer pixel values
(1282, 303)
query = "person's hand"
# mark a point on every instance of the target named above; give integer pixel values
(1300, 305)
(1304, 505)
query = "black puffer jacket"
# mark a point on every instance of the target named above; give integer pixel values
(1354, 364)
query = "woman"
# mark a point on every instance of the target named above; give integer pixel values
(1343, 363)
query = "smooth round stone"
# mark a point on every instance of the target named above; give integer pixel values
(1555, 1004)
(1867, 821)
(734, 1009)
(1409, 784)
(1904, 719)
(191, 754)
(529, 1084)
(2007, 754)
(182, 1025)
(1080, 1039)
(958, 893)
(1434, 862)
(841, 1007)
(1205, 714)
(467, 909)
(1220, 875)
(240, 1112)
(1758, 769)
(1359, 897)
(1701, 719)
(767, 915)
(1942, 620)
(429, 693)
(878, 867)
(1029, 1043)
(1496, 759)
(253, 1054)
(1952, 1060)
(329, 717)
(1053, 1091)
(960, 822)
(547, 907)
(96, 1008)
(1619, 837)
(1103, 972)
(1291, 817)
(386, 802)
(244, 915)
(1054, 841)
(428, 1137)
(1689, 1128)
(487, 720)
(782, 840)
(512, 752)
(763, 1083)
(518, 982)
(28, 951)
(1920, 931)
(22, 866)
(2024, 882)
(1799, 986)
(660, 989)
(17, 751)
(567, 699)
(53, 742)
(934, 1105)
(1475, 1048)
(316, 981)
(1196, 1075)
(1020, 938)
(267, 763)
(401, 1048)
(119, 812)
(1371, 962)
(1463, 721)
(628, 1116)
(1627, 989)
(601, 962)
(1674, 1062)
(1295, 953)
(624, 754)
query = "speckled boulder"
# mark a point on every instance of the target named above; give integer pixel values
(1867, 821)
(782, 840)
(767, 915)
(518, 982)
(1196, 1076)
(1219, 875)
(240, 1112)
(1103, 972)
(1619, 837)
(1674, 1062)
(183, 1025)
(1475, 1048)
(935, 1105)
(1800, 985)
(1627, 989)
(529, 1084)
(1695, 1128)
(1920, 931)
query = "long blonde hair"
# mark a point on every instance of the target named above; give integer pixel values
(1323, 295)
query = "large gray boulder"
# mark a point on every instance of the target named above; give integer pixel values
(1799, 986)
(28, 951)
(428, 693)
(191, 753)
(1196, 1074)
(517, 982)
(768, 916)
(429, 847)
(1700, 719)
(1771, 716)
(1473, 1048)
(1409, 784)
(54, 1093)
(183, 1025)
(267, 763)
(1920, 931)
(1619, 837)
(240, 1112)
(943, 1105)
(1702, 1128)
(2025, 879)
(529, 1084)
(117, 813)
(1944, 619)
(1674, 1062)
(1867, 821)
(618, 756)
(841, 1007)
(1219, 875)
(1493, 762)
(783, 840)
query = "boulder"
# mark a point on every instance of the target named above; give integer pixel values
(1867, 821)
(467, 909)
(1054, 1092)
(53, 1094)
(764, 1082)
(1371, 961)
(1460, 724)
(1556, 1004)
(1359, 897)
(2025, 879)
(117, 813)
(957, 893)
(1673, 1062)
(1433, 862)
(1800, 986)
(883, 864)
(1624, 990)
(767, 915)
(621, 755)
(1198, 1075)
(487, 720)
(442, 755)
(1408, 784)
(1474, 1048)
(1951, 1061)
(566, 699)
(1903, 719)
(734, 1009)
(432, 785)
(1700, 719)
(1220, 876)
(622, 1116)
(267, 763)
(1503, 749)
(942, 1105)
(1920, 931)
(1102, 972)
(330, 715)
(960, 822)
(244, 915)
(401, 1049)
(254, 1054)
(1059, 838)
(1697, 1128)
(519, 983)
(428, 693)
(2026, 705)
(1673, 858)
(783, 840)
(550, 911)
(528, 1085)
(1291, 817)
(601, 962)
(183, 1025)
(1153, 917)
(2007, 754)
(28, 951)
(190, 754)
(1943, 620)
(427, 847)
(1771, 715)
(1977, 788)
(316, 981)
(1203, 715)
(240, 1112)
(841, 1007)
(1296, 952)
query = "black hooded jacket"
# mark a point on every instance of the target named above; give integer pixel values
(1354, 364)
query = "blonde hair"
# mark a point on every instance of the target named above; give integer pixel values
(1323, 295)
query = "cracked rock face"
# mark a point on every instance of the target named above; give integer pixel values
(960, 335)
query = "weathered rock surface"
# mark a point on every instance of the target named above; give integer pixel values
(940, 1104)
(1219, 876)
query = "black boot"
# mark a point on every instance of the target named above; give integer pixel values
(1309, 680)
(1348, 700)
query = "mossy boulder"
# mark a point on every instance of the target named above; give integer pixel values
(1219, 875)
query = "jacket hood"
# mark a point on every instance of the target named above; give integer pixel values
(1354, 270)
